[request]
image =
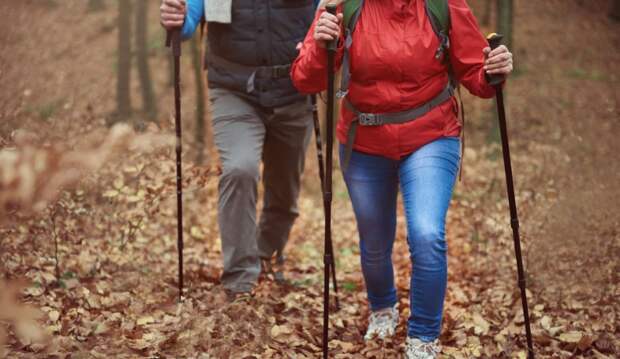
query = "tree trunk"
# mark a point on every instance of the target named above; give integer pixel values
(95, 5)
(123, 100)
(486, 15)
(148, 97)
(200, 99)
(615, 10)
(504, 27)
(504, 21)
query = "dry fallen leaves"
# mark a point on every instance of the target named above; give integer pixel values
(22, 318)
(31, 176)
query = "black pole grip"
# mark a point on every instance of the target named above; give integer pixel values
(494, 41)
(331, 8)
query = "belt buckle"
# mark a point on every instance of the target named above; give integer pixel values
(279, 71)
(369, 119)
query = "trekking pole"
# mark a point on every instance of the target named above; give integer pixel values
(319, 154)
(496, 81)
(173, 40)
(327, 194)
(319, 145)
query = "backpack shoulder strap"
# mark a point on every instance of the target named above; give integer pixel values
(439, 16)
(350, 8)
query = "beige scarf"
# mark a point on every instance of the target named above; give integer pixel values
(218, 11)
(221, 10)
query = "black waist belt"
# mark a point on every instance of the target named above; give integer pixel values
(378, 119)
(263, 72)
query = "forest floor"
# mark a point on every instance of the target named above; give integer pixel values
(116, 232)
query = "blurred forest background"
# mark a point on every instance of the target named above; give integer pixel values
(88, 219)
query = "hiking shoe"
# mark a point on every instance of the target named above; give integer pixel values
(274, 269)
(278, 270)
(417, 349)
(238, 297)
(382, 323)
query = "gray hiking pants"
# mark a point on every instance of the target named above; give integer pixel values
(244, 134)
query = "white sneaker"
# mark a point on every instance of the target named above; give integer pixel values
(417, 349)
(382, 323)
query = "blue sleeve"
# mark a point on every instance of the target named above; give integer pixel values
(316, 3)
(195, 12)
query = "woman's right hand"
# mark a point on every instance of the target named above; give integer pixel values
(172, 13)
(327, 28)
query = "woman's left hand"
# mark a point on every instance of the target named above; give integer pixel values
(498, 61)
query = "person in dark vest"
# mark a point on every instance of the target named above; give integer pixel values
(257, 114)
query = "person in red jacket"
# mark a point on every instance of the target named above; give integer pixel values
(399, 129)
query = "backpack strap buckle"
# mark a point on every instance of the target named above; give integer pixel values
(444, 44)
(280, 71)
(369, 119)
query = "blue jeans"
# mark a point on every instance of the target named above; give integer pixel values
(426, 178)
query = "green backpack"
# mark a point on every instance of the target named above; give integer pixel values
(437, 11)
(439, 17)
(438, 8)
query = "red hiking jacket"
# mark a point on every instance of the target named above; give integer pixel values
(393, 68)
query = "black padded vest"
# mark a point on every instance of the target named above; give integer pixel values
(241, 55)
